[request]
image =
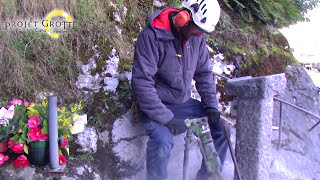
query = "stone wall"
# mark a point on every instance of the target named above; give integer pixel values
(298, 157)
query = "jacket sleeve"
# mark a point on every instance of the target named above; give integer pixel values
(203, 76)
(143, 86)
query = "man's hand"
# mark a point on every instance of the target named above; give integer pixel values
(213, 116)
(177, 126)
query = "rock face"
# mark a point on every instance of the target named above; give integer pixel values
(120, 152)
(87, 140)
(130, 141)
(299, 156)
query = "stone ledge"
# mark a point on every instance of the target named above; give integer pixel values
(265, 86)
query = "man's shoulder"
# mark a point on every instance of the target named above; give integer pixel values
(148, 31)
(199, 39)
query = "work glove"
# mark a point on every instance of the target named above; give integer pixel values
(213, 116)
(177, 126)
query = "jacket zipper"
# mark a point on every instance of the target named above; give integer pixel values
(183, 72)
(178, 49)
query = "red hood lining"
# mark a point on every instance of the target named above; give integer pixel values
(162, 20)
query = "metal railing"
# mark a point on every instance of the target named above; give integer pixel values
(280, 117)
(297, 107)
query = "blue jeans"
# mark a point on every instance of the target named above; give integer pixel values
(161, 140)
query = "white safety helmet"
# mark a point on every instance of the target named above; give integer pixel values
(205, 13)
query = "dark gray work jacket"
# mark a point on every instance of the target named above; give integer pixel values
(163, 69)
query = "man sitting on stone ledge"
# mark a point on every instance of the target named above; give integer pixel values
(169, 53)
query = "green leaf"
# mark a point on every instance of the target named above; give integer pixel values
(22, 141)
(46, 114)
(38, 108)
(25, 129)
(24, 136)
(44, 130)
(45, 123)
(60, 115)
(239, 4)
(24, 119)
(15, 138)
(21, 124)
(25, 148)
(60, 131)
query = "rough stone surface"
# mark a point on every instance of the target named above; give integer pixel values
(132, 152)
(67, 178)
(130, 146)
(265, 86)
(88, 82)
(130, 141)
(253, 144)
(175, 166)
(158, 3)
(87, 140)
(83, 171)
(299, 156)
(96, 176)
(80, 170)
(125, 128)
(26, 173)
(104, 138)
(111, 68)
(254, 124)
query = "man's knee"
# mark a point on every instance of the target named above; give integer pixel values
(160, 134)
(159, 149)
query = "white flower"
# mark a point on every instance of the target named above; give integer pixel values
(5, 115)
